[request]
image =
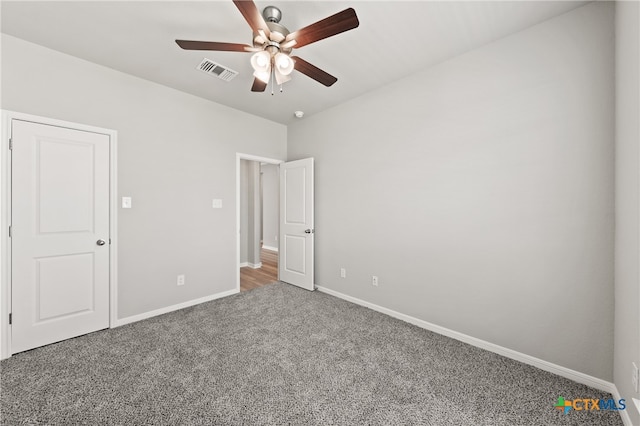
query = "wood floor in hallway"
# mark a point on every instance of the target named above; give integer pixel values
(253, 278)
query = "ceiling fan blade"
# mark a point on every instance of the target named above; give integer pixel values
(252, 15)
(334, 24)
(258, 85)
(314, 72)
(213, 45)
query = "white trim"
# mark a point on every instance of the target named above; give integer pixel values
(274, 249)
(167, 309)
(576, 376)
(5, 246)
(249, 157)
(626, 419)
(5, 217)
(250, 265)
(636, 402)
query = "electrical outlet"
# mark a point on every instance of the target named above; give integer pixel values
(181, 280)
(374, 280)
(343, 273)
(634, 376)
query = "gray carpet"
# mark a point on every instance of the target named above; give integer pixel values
(280, 355)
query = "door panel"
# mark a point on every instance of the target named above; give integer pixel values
(60, 276)
(295, 249)
(60, 209)
(74, 179)
(297, 223)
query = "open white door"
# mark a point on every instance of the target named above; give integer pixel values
(296, 223)
(59, 233)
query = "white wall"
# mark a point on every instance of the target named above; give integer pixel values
(270, 205)
(627, 259)
(177, 152)
(480, 191)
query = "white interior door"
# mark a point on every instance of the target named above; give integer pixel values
(60, 234)
(296, 223)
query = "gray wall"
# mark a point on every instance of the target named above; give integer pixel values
(480, 191)
(627, 293)
(244, 211)
(270, 204)
(176, 154)
(254, 215)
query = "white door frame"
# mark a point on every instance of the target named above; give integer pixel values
(240, 156)
(5, 218)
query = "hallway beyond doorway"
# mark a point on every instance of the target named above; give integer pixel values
(253, 278)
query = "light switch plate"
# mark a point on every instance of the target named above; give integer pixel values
(126, 202)
(217, 203)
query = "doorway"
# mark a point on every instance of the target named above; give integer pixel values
(257, 221)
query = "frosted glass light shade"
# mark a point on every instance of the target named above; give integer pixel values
(281, 78)
(261, 61)
(262, 75)
(284, 63)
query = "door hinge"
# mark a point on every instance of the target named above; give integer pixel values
(9, 231)
(10, 144)
(10, 319)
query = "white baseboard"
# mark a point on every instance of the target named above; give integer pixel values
(626, 419)
(568, 373)
(270, 248)
(172, 308)
(251, 265)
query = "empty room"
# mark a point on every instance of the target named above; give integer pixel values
(320, 212)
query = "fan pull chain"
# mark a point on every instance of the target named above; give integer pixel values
(271, 83)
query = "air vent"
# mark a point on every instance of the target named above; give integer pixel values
(217, 70)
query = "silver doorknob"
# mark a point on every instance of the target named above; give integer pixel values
(101, 242)
(308, 231)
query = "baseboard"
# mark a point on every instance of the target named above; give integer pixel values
(568, 373)
(165, 310)
(626, 419)
(270, 248)
(251, 265)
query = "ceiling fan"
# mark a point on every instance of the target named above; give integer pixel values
(273, 44)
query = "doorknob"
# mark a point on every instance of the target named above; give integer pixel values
(308, 231)
(101, 242)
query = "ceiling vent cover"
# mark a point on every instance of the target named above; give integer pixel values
(217, 70)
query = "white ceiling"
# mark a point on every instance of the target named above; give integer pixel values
(394, 39)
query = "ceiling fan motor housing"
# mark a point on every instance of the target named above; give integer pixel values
(272, 14)
(279, 32)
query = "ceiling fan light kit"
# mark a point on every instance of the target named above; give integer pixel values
(273, 44)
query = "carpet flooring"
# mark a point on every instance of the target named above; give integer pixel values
(279, 355)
